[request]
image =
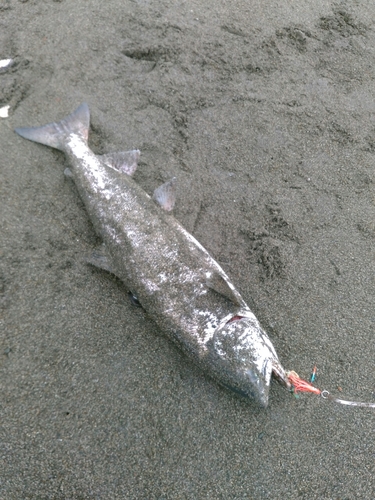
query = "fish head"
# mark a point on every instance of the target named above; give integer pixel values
(244, 359)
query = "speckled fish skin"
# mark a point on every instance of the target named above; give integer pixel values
(174, 278)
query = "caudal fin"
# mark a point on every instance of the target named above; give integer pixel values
(55, 134)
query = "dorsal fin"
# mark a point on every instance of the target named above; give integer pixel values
(165, 194)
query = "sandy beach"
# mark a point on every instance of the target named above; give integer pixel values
(265, 113)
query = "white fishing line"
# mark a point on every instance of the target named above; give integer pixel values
(362, 404)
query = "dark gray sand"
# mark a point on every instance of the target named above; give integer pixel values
(265, 112)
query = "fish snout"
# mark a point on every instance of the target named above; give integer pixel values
(243, 359)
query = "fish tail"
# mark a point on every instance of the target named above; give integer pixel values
(55, 134)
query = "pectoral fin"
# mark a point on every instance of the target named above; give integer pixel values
(123, 161)
(220, 285)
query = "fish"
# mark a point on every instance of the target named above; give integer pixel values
(166, 270)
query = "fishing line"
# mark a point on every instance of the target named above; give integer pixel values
(326, 395)
(300, 385)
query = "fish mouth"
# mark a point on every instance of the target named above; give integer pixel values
(279, 374)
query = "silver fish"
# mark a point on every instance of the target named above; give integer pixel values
(165, 268)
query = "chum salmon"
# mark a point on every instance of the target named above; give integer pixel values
(168, 272)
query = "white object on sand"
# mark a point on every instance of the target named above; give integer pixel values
(4, 111)
(5, 63)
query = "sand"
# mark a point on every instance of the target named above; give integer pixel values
(265, 112)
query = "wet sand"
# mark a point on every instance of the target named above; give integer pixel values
(265, 113)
